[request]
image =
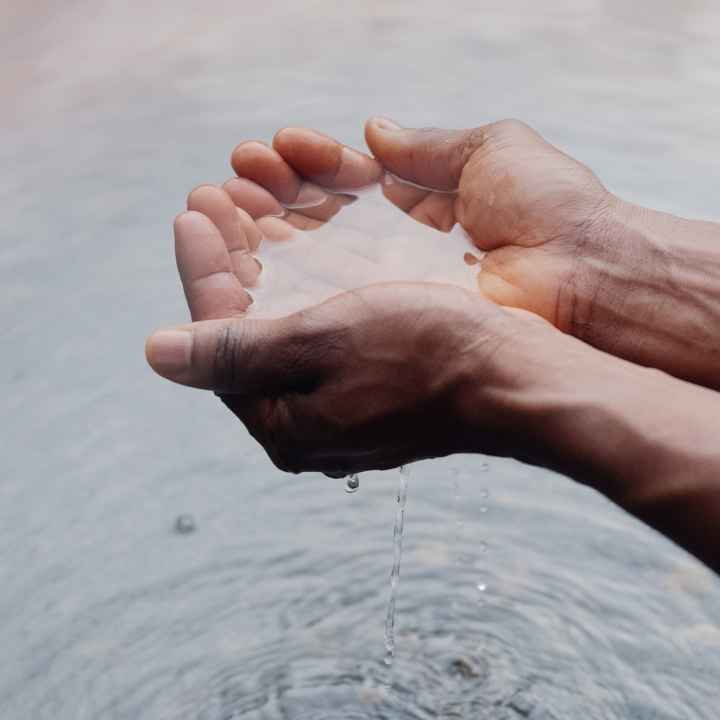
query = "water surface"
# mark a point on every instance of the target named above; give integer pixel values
(273, 607)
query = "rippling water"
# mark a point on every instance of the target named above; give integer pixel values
(273, 606)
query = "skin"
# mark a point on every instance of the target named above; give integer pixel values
(359, 382)
(633, 282)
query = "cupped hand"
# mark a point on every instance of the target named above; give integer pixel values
(536, 212)
(372, 378)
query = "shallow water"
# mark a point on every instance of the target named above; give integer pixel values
(274, 606)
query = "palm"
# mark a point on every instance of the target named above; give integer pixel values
(530, 207)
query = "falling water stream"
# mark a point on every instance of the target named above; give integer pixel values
(395, 571)
(154, 564)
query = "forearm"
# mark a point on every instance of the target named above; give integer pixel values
(649, 443)
(645, 440)
(649, 291)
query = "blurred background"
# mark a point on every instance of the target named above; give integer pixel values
(268, 599)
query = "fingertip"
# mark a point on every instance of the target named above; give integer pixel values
(197, 191)
(382, 123)
(191, 219)
(287, 134)
(380, 134)
(247, 146)
(169, 352)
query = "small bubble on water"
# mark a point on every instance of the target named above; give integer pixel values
(184, 524)
(483, 467)
(481, 587)
(483, 547)
(484, 493)
(352, 483)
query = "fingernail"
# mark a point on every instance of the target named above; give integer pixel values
(169, 352)
(309, 196)
(386, 124)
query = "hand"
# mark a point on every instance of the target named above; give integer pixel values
(530, 207)
(636, 283)
(370, 379)
(392, 373)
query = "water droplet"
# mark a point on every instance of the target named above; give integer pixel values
(484, 509)
(482, 587)
(483, 467)
(352, 483)
(483, 547)
(484, 493)
(185, 524)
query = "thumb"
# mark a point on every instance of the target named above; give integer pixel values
(236, 356)
(430, 157)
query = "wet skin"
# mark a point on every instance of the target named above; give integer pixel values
(391, 373)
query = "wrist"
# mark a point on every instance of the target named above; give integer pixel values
(645, 290)
(623, 429)
(620, 265)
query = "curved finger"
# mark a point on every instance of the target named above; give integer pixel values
(430, 207)
(275, 229)
(431, 157)
(217, 205)
(255, 200)
(266, 167)
(317, 203)
(250, 228)
(211, 287)
(326, 161)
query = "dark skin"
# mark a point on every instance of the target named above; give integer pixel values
(388, 374)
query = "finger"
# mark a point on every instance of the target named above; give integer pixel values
(211, 287)
(256, 201)
(302, 222)
(311, 200)
(436, 209)
(266, 167)
(275, 229)
(250, 228)
(430, 157)
(317, 203)
(325, 161)
(248, 357)
(216, 204)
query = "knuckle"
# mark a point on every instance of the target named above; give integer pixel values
(510, 126)
(198, 194)
(226, 362)
(471, 141)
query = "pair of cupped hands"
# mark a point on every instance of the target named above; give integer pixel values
(390, 373)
